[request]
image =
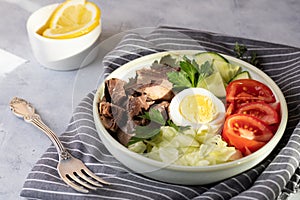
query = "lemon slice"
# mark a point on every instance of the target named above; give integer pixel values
(73, 18)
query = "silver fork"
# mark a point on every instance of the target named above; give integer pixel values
(72, 171)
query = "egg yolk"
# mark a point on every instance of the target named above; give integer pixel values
(197, 108)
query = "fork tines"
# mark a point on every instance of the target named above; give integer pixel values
(84, 180)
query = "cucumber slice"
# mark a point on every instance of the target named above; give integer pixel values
(242, 75)
(201, 58)
(202, 84)
(220, 64)
(227, 70)
(215, 84)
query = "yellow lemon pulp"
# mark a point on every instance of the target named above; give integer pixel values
(197, 108)
(72, 18)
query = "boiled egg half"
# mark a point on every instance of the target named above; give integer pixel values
(198, 108)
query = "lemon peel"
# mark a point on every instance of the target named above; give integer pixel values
(72, 18)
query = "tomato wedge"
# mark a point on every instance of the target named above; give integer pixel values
(246, 146)
(230, 109)
(249, 90)
(260, 110)
(246, 133)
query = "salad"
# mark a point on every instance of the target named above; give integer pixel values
(194, 111)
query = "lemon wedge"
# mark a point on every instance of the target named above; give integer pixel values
(72, 18)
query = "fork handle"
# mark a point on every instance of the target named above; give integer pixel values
(36, 121)
(24, 109)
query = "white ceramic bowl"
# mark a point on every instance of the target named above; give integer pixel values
(60, 54)
(186, 174)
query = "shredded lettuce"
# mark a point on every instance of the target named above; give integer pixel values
(138, 147)
(188, 147)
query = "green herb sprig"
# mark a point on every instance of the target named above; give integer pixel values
(190, 74)
(241, 53)
(152, 129)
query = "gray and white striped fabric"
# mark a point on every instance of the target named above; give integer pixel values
(275, 177)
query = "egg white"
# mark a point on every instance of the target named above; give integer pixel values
(218, 118)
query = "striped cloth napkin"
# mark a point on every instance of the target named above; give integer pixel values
(275, 178)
